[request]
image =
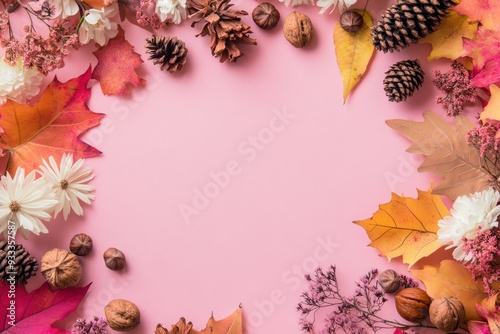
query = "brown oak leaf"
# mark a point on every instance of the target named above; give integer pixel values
(446, 152)
(117, 62)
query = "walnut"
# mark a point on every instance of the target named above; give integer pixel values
(389, 280)
(61, 268)
(413, 304)
(447, 313)
(122, 315)
(298, 29)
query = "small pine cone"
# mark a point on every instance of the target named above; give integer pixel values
(403, 79)
(407, 21)
(22, 266)
(169, 52)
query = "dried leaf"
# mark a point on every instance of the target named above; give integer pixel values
(353, 51)
(484, 47)
(452, 279)
(446, 153)
(485, 11)
(447, 39)
(233, 324)
(98, 4)
(478, 327)
(490, 74)
(406, 227)
(50, 127)
(35, 312)
(128, 10)
(488, 309)
(492, 109)
(116, 66)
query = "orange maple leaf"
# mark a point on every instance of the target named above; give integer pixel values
(116, 66)
(406, 226)
(52, 126)
(485, 11)
(484, 47)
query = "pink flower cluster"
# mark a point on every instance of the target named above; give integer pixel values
(145, 16)
(456, 84)
(485, 137)
(95, 326)
(485, 250)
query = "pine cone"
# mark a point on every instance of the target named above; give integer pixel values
(403, 79)
(223, 25)
(407, 21)
(21, 269)
(169, 52)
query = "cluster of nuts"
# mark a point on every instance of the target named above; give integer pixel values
(415, 305)
(62, 269)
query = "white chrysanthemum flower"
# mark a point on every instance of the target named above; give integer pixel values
(343, 5)
(64, 8)
(469, 213)
(69, 181)
(18, 83)
(171, 9)
(97, 25)
(297, 2)
(24, 201)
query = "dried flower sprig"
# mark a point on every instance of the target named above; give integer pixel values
(456, 84)
(94, 326)
(354, 314)
(486, 139)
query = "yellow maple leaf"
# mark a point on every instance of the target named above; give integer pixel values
(447, 39)
(353, 51)
(492, 109)
(453, 279)
(406, 226)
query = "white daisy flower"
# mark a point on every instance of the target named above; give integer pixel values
(69, 181)
(171, 9)
(469, 213)
(297, 2)
(24, 201)
(64, 8)
(343, 5)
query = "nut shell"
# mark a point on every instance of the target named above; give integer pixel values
(413, 304)
(389, 280)
(298, 29)
(447, 313)
(266, 16)
(351, 21)
(80, 244)
(122, 315)
(114, 259)
(61, 268)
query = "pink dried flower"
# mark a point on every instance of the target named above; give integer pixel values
(456, 84)
(95, 326)
(485, 137)
(485, 251)
(4, 22)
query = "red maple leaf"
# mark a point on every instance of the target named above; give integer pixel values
(52, 126)
(485, 11)
(484, 48)
(35, 312)
(116, 66)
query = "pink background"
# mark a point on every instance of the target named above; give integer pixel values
(287, 208)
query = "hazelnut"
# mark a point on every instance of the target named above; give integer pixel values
(122, 315)
(114, 259)
(389, 280)
(61, 268)
(351, 21)
(447, 313)
(413, 304)
(80, 244)
(266, 16)
(298, 29)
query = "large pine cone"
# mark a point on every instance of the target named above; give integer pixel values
(407, 21)
(169, 52)
(403, 79)
(22, 265)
